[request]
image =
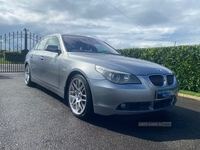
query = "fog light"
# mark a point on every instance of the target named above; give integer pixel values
(123, 106)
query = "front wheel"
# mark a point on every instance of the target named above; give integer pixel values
(79, 97)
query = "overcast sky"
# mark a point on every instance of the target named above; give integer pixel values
(121, 23)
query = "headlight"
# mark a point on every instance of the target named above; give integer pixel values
(117, 76)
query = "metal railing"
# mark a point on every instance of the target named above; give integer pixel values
(13, 49)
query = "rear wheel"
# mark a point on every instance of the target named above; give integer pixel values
(79, 97)
(28, 81)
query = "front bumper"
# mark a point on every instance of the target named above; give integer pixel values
(115, 99)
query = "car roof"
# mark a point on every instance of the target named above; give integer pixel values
(71, 35)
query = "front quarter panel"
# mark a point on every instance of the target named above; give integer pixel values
(68, 66)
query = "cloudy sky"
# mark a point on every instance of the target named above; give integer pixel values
(121, 23)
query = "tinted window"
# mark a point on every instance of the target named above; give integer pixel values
(42, 44)
(86, 44)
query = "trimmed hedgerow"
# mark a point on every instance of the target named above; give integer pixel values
(183, 60)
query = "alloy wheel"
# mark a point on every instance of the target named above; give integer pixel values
(77, 96)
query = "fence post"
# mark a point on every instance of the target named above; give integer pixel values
(25, 42)
(25, 51)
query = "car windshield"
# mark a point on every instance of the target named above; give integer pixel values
(86, 44)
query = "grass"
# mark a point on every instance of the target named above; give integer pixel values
(189, 93)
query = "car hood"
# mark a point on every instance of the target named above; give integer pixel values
(120, 63)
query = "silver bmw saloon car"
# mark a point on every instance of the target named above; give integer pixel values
(92, 77)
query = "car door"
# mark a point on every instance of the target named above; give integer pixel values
(36, 59)
(50, 63)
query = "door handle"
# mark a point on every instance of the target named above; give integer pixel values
(42, 58)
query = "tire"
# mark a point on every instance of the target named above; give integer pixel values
(27, 78)
(79, 97)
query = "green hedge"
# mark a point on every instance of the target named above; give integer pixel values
(14, 56)
(183, 60)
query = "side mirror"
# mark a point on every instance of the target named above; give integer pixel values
(52, 48)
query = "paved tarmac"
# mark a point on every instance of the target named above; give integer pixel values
(37, 119)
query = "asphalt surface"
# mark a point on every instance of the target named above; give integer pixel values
(37, 119)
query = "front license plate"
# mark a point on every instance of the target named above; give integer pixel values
(166, 94)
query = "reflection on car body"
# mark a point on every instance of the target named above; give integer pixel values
(93, 77)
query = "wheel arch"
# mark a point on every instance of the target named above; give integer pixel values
(73, 73)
